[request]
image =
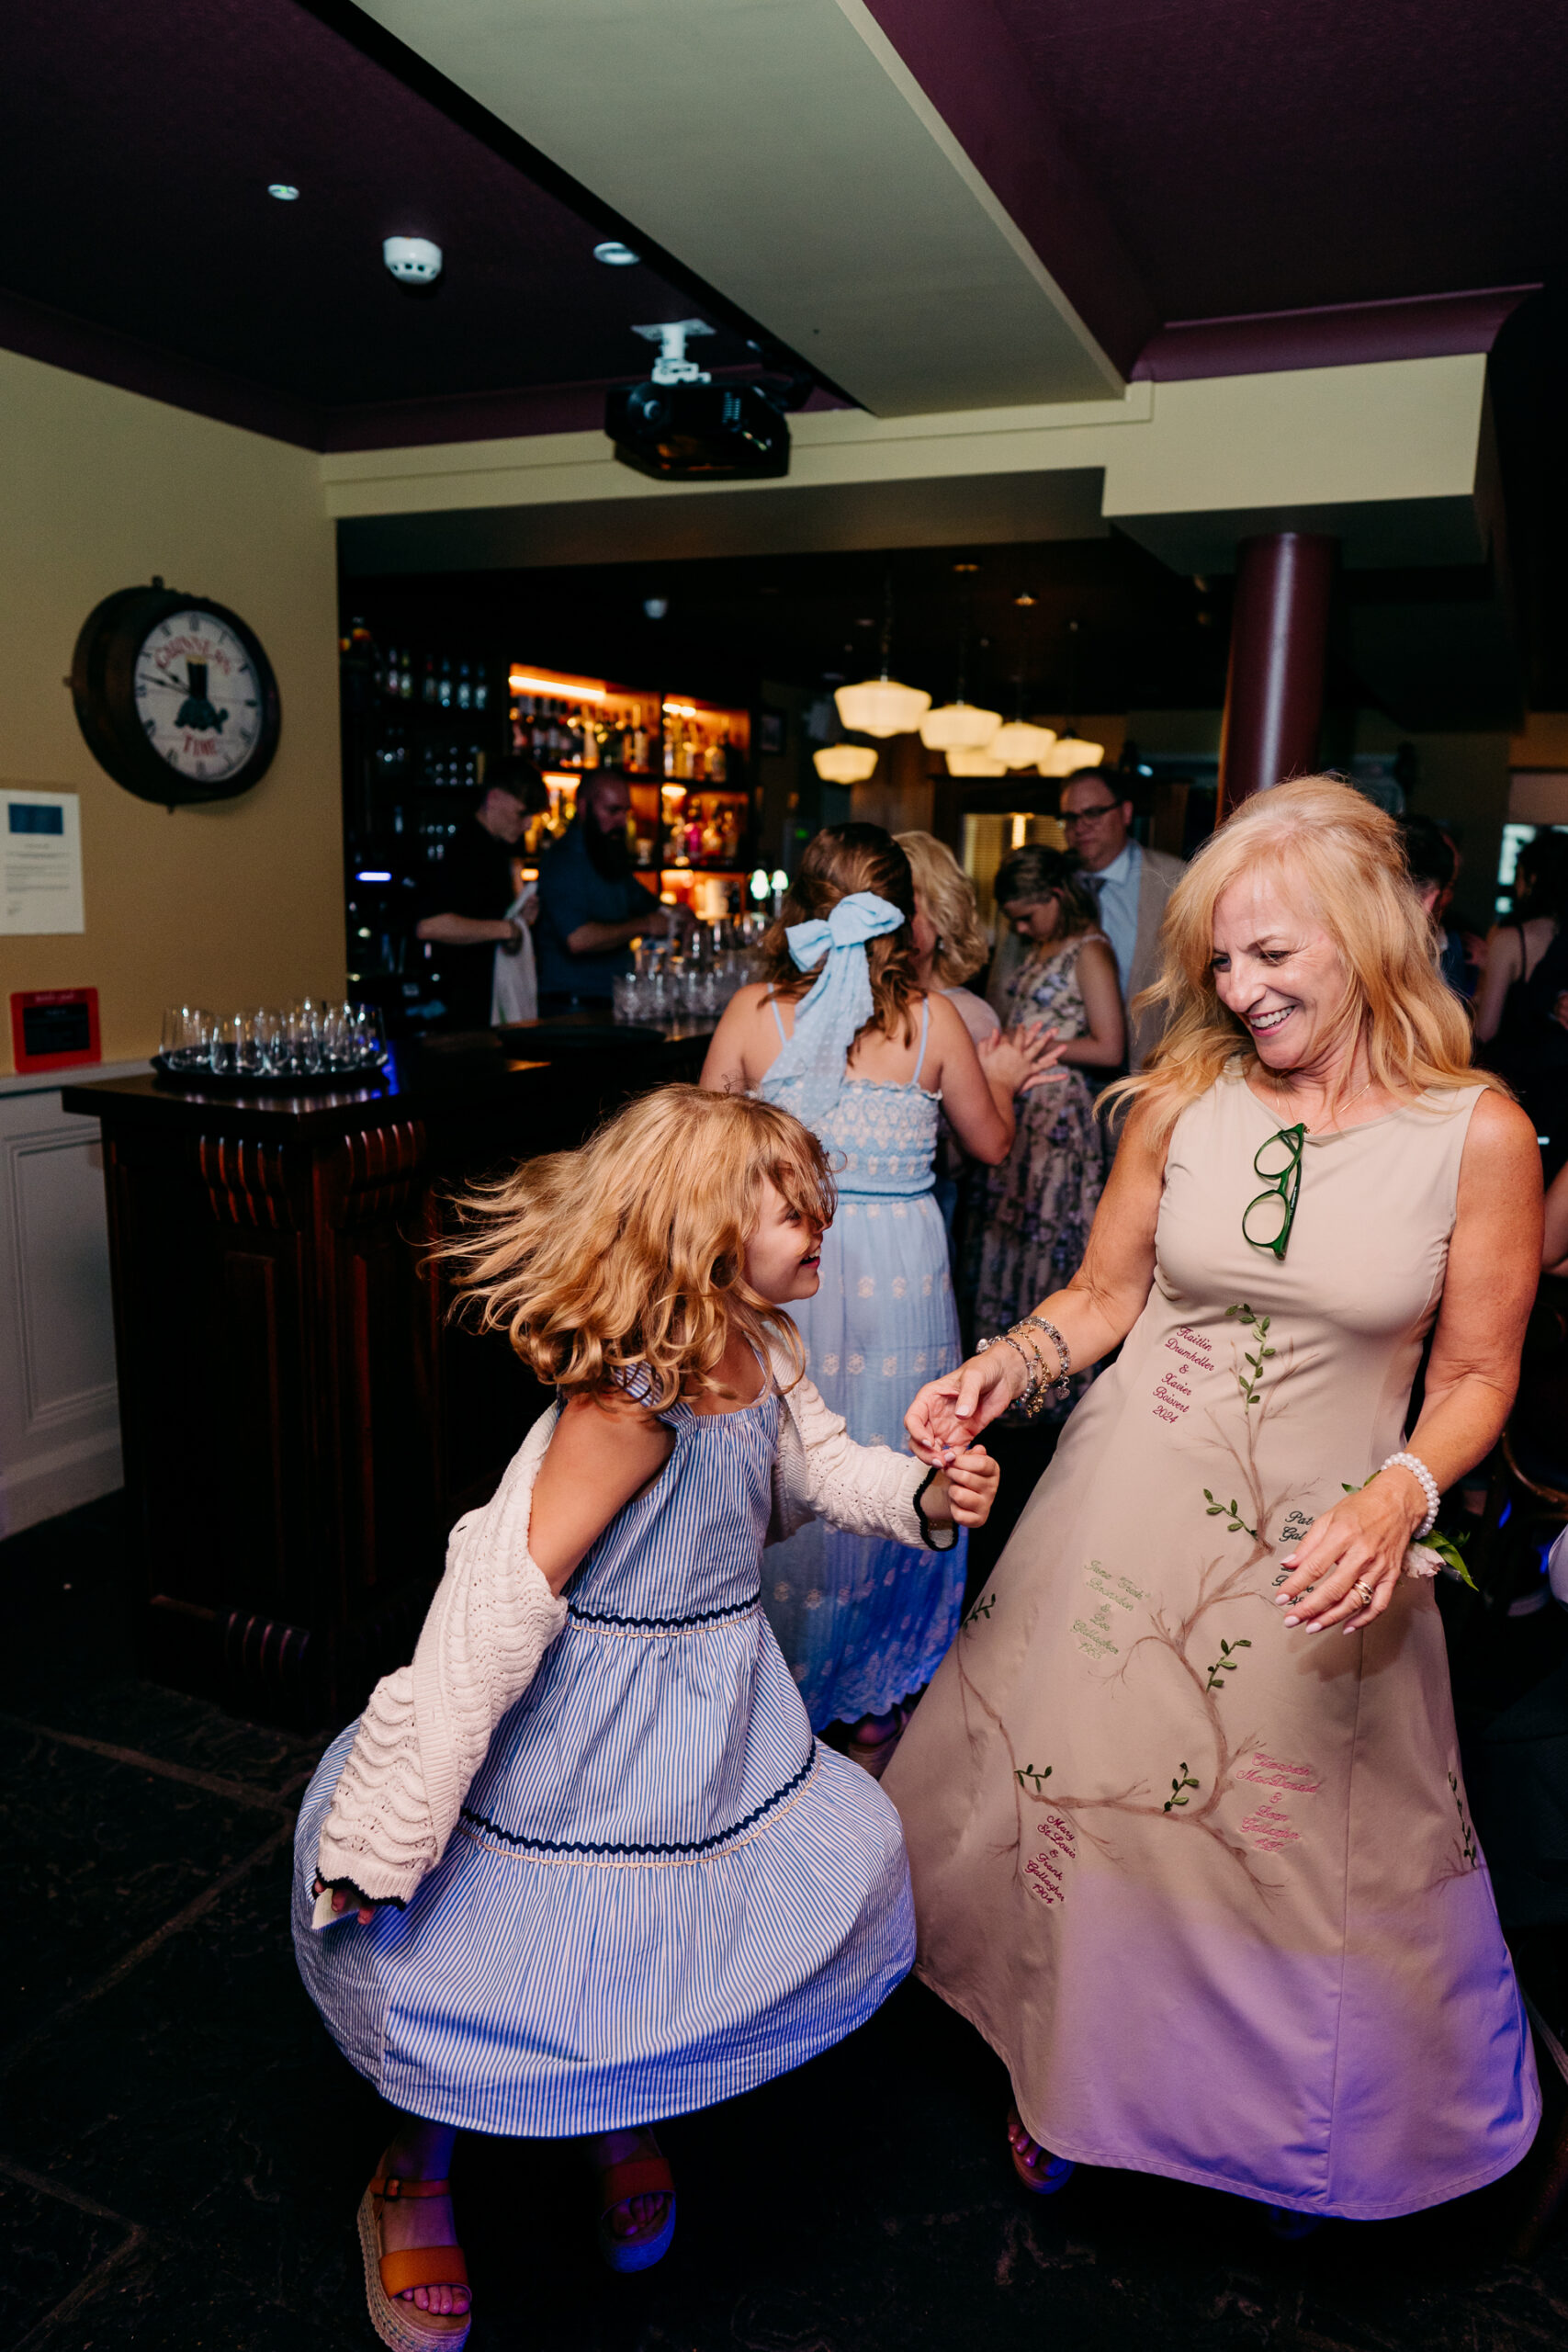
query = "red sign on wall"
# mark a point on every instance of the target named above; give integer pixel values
(54, 1028)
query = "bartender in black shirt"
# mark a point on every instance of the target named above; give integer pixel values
(468, 893)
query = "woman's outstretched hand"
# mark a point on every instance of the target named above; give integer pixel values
(949, 1414)
(1361, 1542)
(1021, 1058)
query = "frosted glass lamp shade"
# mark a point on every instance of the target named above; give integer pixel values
(1020, 746)
(959, 727)
(881, 707)
(844, 762)
(1069, 753)
(974, 763)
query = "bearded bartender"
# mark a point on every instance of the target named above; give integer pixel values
(592, 905)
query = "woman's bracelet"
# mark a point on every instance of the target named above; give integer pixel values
(1427, 1483)
(1063, 1355)
(1032, 1367)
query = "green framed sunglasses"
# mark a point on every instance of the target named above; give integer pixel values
(1267, 1220)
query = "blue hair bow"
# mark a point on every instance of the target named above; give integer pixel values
(809, 1072)
(862, 916)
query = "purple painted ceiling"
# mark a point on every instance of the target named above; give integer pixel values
(1305, 153)
(142, 244)
(1216, 185)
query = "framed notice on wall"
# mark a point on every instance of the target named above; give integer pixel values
(40, 860)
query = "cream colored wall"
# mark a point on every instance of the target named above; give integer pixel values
(226, 905)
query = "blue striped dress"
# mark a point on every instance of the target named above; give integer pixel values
(662, 1891)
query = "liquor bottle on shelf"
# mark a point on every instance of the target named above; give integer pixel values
(672, 743)
(481, 689)
(465, 688)
(427, 689)
(718, 760)
(405, 677)
(443, 685)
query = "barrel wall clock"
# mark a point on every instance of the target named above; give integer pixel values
(174, 696)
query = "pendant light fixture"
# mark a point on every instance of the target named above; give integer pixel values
(881, 706)
(1019, 745)
(961, 763)
(1070, 753)
(845, 763)
(960, 725)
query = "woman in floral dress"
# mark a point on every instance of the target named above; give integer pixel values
(1031, 1217)
(1206, 1879)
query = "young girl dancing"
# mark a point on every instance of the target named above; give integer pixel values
(571, 1893)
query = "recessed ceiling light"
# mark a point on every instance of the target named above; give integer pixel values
(1025, 599)
(281, 189)
(619, 256)
(967, 567)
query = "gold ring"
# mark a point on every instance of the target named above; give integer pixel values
(1364, 1589)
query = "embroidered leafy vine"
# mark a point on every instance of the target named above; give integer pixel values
(1250, 1382)
(1225, 1663)
(981, 1609)
(1026, 1772)
(1467, 1836)
(1231, 1511)
(1178, 1789)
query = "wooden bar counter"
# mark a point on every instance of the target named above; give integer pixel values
(302, 1419)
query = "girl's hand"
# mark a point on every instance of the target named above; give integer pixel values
(1361, 1543)
(971, 1479)
(348, 1899)
(949, 1414)
(1022, 1058)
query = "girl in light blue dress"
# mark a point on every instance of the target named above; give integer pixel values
(582, 1865)
(840, 1034)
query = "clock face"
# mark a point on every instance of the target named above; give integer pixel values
(198, 697)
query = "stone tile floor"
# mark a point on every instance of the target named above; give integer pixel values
(181, 2149)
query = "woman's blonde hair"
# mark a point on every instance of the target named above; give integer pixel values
(630, 1252)
(949, 899)
(839, 860)
(1344, 858)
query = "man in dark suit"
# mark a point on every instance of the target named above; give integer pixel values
(1131, 885)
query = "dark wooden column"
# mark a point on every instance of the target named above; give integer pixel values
(1274, 691)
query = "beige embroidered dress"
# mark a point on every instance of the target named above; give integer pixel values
(1208, 1885)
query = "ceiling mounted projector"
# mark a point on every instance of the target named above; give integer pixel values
(681, 426)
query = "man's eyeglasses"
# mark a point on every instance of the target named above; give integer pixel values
(1088, 816)
(1266, 1222)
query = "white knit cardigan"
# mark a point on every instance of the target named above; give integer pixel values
(425, 1732)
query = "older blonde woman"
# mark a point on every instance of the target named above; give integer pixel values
(1189, 1833)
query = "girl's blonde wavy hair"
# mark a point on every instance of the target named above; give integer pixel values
(948, 896)
(1342, 858)
(631, 1251)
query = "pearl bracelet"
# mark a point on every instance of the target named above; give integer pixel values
(1428, 1486)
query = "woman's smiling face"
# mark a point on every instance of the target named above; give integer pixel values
(1278, 971)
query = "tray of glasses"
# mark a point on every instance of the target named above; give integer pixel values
(201, 1078)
